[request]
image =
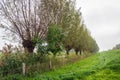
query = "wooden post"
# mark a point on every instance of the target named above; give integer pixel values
(23, 69)
(50, 64)
(63, 59)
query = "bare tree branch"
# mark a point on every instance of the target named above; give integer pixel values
(24, 19)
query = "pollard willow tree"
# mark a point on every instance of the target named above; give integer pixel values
(76, 35)
(25, 19)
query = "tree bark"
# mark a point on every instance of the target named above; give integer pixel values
(80, 52)
(28, 46)
(67, 48)
(76, 52)
(67, 52)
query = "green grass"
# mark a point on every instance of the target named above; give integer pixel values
(100, 66)
(110, 71)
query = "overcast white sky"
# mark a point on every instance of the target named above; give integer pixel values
(102, 18)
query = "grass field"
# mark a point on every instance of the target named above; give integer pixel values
(100, 66)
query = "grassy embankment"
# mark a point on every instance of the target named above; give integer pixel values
(100, 66)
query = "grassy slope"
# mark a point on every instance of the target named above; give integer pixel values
(111, 69)
(104, 66)
(101, 66)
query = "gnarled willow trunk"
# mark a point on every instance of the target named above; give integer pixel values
(67, 48)
(76, 51)
(28, 46)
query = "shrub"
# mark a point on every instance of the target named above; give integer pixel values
(12, 77)
(11, 64)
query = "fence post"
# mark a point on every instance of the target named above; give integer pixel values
(23, 68)
(63, 60)
(50, 64)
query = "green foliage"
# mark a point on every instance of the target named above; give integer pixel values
(42, 47)
(77, 36)
(54, 39)
(11, 64)
(70, 23)
(13, 77)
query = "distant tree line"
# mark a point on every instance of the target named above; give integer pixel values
(116, 47)
(49, 25)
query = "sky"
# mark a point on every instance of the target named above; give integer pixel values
(102, 18)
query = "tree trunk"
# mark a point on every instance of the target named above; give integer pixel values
(67, 52)
(80, 52)
(28, 46)
(76, 52)
(67, 48)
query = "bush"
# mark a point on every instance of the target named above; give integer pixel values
(13, 77)
(11, 64)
